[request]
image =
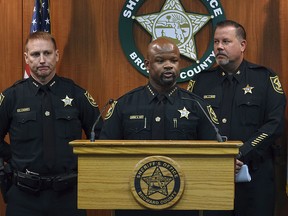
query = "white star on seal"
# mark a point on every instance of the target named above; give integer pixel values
(248, 89)
(184, 113)
(67, 101)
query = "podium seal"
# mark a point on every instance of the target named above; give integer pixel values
(157, 182)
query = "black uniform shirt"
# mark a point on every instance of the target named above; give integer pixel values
(133, 116)
(21, 117)
(251, 111)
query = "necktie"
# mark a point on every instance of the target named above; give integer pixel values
(229, 86)
(48, 127)
(158, 121)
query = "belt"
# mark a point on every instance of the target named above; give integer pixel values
(33, 182)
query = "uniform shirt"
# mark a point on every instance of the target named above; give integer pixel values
(21, 117)
(253, 113)
(133, 117)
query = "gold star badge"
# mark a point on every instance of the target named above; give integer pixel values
(184, 113)
(67, 101)
(248, 89)
(157, 182)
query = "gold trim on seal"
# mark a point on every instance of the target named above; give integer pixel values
(157, 182)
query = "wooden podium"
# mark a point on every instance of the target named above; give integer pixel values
(106, 169)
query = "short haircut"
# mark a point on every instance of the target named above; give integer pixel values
(240, 31)
(40, 35)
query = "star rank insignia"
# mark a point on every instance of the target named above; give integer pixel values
(184, 113)
(248, 89)
(157, 182)
(67, 101)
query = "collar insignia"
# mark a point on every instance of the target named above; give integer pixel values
(248, 89)
(184, 113)
(67, 101)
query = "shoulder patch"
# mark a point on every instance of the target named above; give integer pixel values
(191, 85)
(90, 99)
(276, 84)
(110, 110)
(212, 114)
(1, 98)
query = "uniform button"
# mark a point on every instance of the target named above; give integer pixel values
(224, 120)
(47, 113)
(157, 119)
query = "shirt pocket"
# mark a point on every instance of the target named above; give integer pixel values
(25, 127)
(68, 124)
(249, 110)
(137, 129)
(183, 129)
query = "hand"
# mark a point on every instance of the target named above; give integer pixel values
(238, 165)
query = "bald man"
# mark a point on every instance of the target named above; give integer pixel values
(159, 110)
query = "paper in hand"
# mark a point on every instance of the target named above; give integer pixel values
(243, 174)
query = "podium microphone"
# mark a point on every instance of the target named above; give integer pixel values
(218, 135)
(92, 136)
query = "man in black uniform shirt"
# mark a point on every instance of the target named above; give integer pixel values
(249, 102)
(42, 114)
(160, 110)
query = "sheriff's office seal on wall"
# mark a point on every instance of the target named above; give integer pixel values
(157, 182)
(174, 22)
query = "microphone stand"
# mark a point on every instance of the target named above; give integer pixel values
(92, 135)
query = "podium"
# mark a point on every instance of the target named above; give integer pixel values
(109, 170)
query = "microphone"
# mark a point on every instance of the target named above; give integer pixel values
(92, 136)
(218, 136)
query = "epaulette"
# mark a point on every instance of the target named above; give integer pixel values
(70, 82)
(261, 67)
(19, 81)
(193, 94)
(131, 92)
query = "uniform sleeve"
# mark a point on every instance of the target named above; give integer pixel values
(5, 151)
(89, 113)
(273, 122)
(112, 127)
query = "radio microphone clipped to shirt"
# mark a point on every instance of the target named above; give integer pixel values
(92, 136)
(218, 135)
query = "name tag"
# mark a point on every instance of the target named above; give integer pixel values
(137, 117)
(23, 110)
(209, 96)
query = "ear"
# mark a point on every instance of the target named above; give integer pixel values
(243, 45)
(147, 64)
(57, 55)
(26, 57)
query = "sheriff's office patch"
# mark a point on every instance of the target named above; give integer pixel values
(110, 110)
(212, 114)
(1, 98)
(190, 86)
(90, 99)
(276, 84)
(157, 182)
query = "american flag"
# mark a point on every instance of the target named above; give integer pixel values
(40, 22)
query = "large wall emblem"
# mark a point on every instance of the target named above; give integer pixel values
(157, 182)
(174, 22)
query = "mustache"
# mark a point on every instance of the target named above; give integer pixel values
(221, 53)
